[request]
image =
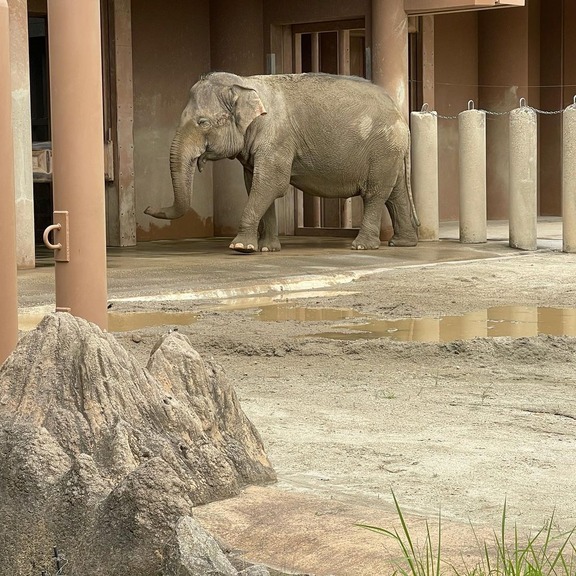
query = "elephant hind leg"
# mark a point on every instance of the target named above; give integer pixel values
(369, 235)
(398, 204)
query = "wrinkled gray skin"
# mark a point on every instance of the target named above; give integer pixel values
(330, 136)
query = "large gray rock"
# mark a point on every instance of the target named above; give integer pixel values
(193, 552)
(101, 457)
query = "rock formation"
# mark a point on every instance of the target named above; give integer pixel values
(103, 458)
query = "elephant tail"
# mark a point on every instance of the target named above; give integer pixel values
(408, 180)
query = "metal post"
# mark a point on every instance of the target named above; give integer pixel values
(523, 178)
(78, 147)
(8, 283)
(424, 127)
(569, 180)
(472, 176)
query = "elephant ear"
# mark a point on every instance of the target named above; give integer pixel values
(246, 106)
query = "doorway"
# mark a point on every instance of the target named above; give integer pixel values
(41, 134)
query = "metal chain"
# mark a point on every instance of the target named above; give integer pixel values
(490, 113)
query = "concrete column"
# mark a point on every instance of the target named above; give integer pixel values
(78, 145)
(121, 197)
(569, 180)
(424, 127)
(472, 176)
(22, 132)
(389, 37)
(390, 50)
(8, 285)
(523, 178)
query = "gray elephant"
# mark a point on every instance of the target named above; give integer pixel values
(331, 136)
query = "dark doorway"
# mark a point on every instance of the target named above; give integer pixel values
(40, 108)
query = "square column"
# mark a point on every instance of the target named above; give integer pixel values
(22, 132)
(8, 284)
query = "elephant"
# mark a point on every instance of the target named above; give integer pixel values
(328, 135)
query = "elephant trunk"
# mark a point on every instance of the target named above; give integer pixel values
(183, 157)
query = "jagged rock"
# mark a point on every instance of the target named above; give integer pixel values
(193, 552)
(101, 457)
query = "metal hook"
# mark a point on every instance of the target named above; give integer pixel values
(425, 106)
(522, 102)
(471, 105)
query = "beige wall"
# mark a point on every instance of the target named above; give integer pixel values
(171, 49)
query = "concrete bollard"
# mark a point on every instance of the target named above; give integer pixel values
(472, 176)
(523, 178)
(424, 126)
(569, 180)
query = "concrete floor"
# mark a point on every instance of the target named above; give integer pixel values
(207, 270)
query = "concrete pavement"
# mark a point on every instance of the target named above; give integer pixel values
(207, 270)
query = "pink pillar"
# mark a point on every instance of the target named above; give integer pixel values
(78, 149)
(8, 283)
(390, 50)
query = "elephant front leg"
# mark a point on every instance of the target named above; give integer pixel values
(260, 212)
(369, 235)
(268, 228)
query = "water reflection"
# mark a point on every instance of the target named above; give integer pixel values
(513, 321)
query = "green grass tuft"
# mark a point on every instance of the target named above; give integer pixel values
(542, 554)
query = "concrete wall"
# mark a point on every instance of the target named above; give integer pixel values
(280, 12)
(456, 82)
(237, 45)
(171, 49)
(509, 63)
(550, 144)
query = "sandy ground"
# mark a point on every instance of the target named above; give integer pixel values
(461, 426)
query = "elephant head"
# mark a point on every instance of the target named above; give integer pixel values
(212, 127)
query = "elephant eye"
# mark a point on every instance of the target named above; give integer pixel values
(203, 122)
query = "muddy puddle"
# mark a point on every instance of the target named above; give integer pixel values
(123, 322)
(273, 307)
(512, 321)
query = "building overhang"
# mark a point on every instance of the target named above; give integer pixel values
(423, 7)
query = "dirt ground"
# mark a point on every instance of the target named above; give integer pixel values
(462, 426)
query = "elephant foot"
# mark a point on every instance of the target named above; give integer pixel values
(240, 247)
(245, 243)
(366, 244)
(269, 244)
(399, 241)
